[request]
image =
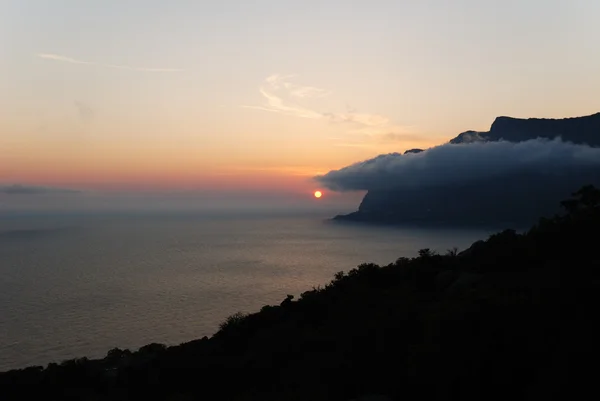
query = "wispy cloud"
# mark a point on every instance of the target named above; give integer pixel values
(277, 87)
(373, 130)
(306, 91)
(56, 57)
(369, 120)
(64, 59)
(283, 96)
(277, 81)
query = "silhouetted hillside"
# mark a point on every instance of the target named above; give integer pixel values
(518, 195)
(511, 199)
(510, 318)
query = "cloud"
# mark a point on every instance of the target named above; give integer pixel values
(277, 81)
(282, 96)
(64, 59)
(277, 87)
(452, 164)
(369, 120)
(278, 105)
(57, 57)
(374, 127)
(18, 189)
(307, 91)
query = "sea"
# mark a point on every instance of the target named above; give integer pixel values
(74, 285)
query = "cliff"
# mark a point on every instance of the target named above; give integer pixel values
(511, 199)
(581, 130)
(514, 200)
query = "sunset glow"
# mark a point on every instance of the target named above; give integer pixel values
(143, 108)
(318, 194)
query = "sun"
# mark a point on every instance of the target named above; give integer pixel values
(318, 194)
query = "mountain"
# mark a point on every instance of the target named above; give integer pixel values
(581, 130)
(514, 198)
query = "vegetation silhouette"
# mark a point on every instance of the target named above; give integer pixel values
(512, 317)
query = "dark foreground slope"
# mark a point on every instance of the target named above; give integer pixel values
(512, 317)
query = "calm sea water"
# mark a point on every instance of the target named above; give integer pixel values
(74, 286)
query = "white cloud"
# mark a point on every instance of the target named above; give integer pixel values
(57, 57)
(277, 104)
(64, 59)
(282, 96)
(272, 92)
(363, 119)
(277, 80)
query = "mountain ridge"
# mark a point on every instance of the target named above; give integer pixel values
(519, 196)
(582, 130)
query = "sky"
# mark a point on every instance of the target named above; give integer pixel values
(258, 97)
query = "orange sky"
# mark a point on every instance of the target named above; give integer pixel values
(96, 157)
(222, 96)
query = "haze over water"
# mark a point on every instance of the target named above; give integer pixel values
(79, 285)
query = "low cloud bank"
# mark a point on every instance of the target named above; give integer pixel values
(18, 189)
(452, 164)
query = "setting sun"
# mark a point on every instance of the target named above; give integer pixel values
(318, 194)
